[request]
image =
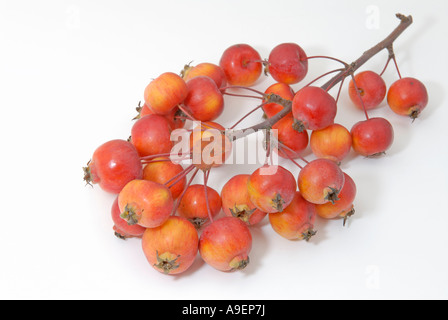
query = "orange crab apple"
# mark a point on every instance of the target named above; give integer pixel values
(121, 228)
(321, 181)
(333, 142)
(210, 70)
(204, 100)
(161, 170)
(271, 188)
(172, 247)
(296, 222)
(165, 92)
(225, 244)
(236, 201)
(146, 203)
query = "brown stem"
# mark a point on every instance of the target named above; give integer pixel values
(405, 22)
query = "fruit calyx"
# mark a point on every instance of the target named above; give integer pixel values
(198, 222)
(332, 195)
(298, 125)
(308, 234)
(130, 215)
(167, 262)
(242, 212)
(239, 263)
(88, 175)
(278, 203)
(415, 112)
(348, 215)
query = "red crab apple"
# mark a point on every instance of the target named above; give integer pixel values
(372, 137)
(371, 88)
(295, 142)
(236, 201)
(172, 247)
(113, 165)
(241, 64)
(288, 63)
(151, 135)
(271, 188)
(175, 117)
(313, 108)
(146, 203)
(296, 222)
(165, 92)
(204, 100)
(320, 181)
(407, 97)
(225, 244)
(193, 205)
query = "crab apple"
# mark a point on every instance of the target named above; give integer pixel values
(210, 146)
(236, 201)
(161, 170)
(295, 141)
(288, 63)
(281, 89)
(321, 181)
(204, 100)
(210, 70)
(372, 137)
(165, 92)
(313, 108)
(407, 97)
(333, 142)
(241, 64)
(371, 88)
(296, 222)
(344, 206)
(193, 205)
(121, 228)
(146, 203)
(225, 244)
(151, 135)
(271, 188)
(113, 165)
(172, 247)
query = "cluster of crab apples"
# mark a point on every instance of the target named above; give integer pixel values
(156, 200)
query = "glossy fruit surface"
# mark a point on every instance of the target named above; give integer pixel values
(172, 247)
(241, 64)
(295, 142)
(371, 88)
(288, 63)
(113, 165)
(225, 244)
(407, 97)
(372, 137)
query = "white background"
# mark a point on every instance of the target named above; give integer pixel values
(71, 74)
